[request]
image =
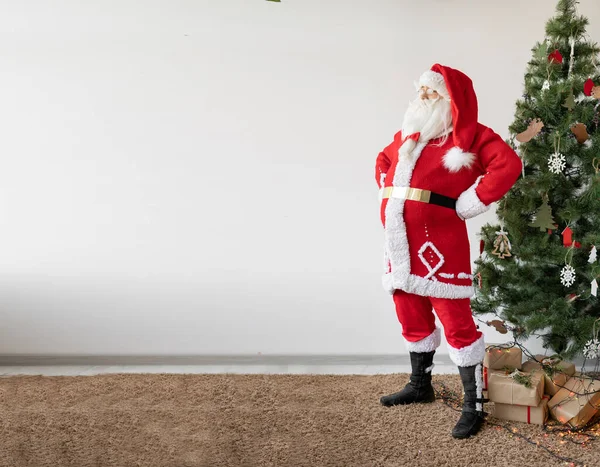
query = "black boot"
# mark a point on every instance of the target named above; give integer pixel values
(472, 416)
(419, 389)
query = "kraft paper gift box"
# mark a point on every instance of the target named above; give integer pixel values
(504, 389)
(498, 357)
(576, 403)
(523, 413)
(561, 372)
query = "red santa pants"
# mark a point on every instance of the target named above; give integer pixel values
(415, 314)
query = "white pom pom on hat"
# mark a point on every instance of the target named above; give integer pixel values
(435, 81)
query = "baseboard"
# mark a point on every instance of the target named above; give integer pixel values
(210, 360)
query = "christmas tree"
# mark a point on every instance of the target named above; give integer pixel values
(545, 287)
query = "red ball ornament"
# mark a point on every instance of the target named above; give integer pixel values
(588, 86)
(555, 57)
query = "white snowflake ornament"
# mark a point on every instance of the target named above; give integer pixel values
(546, 85)
(567, 275)
(592, 349)
(556, 163)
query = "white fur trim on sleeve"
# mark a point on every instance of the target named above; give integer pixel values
(428, 344)
(470, 355)
(468, 204)
(456, 159)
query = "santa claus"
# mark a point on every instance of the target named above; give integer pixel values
(443, 167)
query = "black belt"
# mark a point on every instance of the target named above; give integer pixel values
(416, 194)
(442, 200)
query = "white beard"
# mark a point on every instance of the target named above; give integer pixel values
(431, 118)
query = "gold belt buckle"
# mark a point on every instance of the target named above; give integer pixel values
(387, 192)
(416, 194)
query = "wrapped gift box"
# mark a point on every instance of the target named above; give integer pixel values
(498, 357)
(576, 403)
(523, 413)
(504, 389)
(561, 372)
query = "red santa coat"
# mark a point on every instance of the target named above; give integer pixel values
(427, 249)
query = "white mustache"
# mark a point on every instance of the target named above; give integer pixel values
(424, 103)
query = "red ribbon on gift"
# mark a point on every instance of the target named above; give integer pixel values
(485, 378)
(529, 409)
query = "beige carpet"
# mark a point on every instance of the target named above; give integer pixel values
(251, 420)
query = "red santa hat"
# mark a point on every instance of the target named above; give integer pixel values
(458, 88)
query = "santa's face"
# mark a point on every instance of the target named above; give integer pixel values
(425, 92)
(429, 114)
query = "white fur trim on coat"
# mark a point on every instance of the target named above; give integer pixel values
(427, 344)
(428, 288)
(433, 288)
(397, 248)
(468, 204)
(456, 159)
(388, 283)
(468, 356)
(396, 240)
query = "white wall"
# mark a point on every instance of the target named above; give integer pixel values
(190, 177)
